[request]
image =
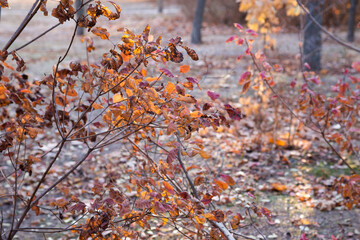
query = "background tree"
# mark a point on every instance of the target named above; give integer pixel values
(160, 6)
(351, 23)
(80, 13)
(198, 19)
(312, 35)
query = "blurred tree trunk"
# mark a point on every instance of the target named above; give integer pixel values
(160, 6)
(0, 13)
(312, 35)
(198, 19)
(79, 14)
(352, 24)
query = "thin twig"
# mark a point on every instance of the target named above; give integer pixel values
(332, 36)
(35, 7)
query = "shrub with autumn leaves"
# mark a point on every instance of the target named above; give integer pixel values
(130, 101)
(332, 114)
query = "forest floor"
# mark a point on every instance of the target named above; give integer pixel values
(292, 182)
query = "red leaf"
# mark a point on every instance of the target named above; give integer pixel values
(230, 39)
(166, 72)
(78, 207)
(303, 237)
(207, 199)
(234, 114)
(238, 26)
(142, 204)
(245, 77)
(213, 95)
(172, 155)
(356, 66)
(229, 180)
(293, 83)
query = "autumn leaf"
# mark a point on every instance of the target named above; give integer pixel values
(171, 128)
(246, 87)
(234, 113)
(228, 179)
(101, 32)
(245, 77)
(97, 106)
(210, 216)
(356, 66)
(278, 187)
(191, 53)
(166, 72)
(118, 98)
(222, 185)
(213, 95)
(238, 26)
(169, 188)
(200, 220)
(184, 68)
(4, 3)
(170, 88)
(204, 155)
(151, 79)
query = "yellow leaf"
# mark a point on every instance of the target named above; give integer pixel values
(200, 220)
(184, 68)
(118, 98)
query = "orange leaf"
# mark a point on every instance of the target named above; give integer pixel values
(101, 32)
(184, 68)
(26, 91)
(204, 155)
(36, 209)
(196, 114)
(169, 188)
(170, 88)
(97, 106)
(151, 79)
(210, 216)
(4, 3)
(279, 187)
(221, 184)
(280, 143)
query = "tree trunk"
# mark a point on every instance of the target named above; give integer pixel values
(312, 35)
(160, 6)
(352, 24)
(198, 18)
(0, 13)
(79, 14)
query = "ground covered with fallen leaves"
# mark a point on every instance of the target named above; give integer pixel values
(289, 171)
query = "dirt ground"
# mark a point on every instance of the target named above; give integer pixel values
(218, 70)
